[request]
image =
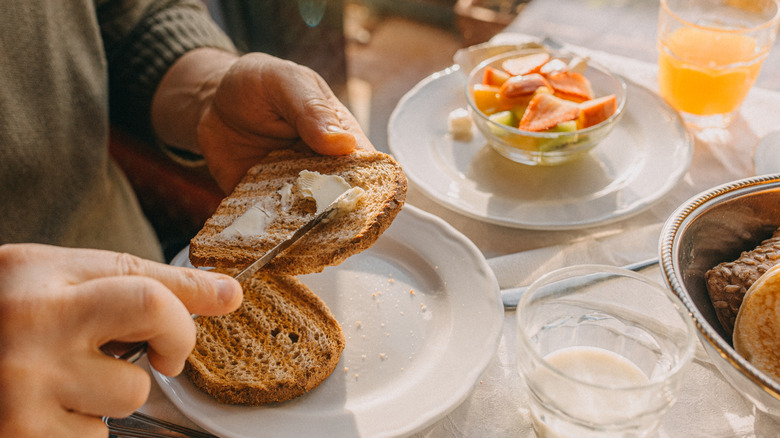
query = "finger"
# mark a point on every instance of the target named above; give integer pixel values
(82, 426)
(131, 309)
(329, 130)
(302, 97)
(202, 292)
(104, 386)
(325, 126)
(53, 421)
(322, 121)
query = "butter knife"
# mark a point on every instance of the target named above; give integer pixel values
(511, 296)
(323, 216)
(131, 352)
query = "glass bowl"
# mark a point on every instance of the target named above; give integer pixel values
(546, 148)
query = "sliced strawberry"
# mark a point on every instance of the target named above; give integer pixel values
(571, 85)
(522, 65)
(494, 76)
(595, 111)
(554, 65)
(524, 85)
(545, 111)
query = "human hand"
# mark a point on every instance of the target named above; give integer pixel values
(265, 103)
(58, 306)
(257, 103)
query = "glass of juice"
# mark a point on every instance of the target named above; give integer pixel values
(602, 351)
(710, 54)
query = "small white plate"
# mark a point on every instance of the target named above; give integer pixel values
(643, 158)
(422, 316)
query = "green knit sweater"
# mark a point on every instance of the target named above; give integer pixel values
(61, 64)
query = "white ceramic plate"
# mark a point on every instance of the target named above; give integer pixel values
(643, 158)
(422, 316)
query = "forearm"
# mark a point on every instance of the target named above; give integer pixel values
(184, 93)
(142, 40)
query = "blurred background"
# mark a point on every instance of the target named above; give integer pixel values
(371, 52)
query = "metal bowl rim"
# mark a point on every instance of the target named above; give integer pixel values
(669, 247)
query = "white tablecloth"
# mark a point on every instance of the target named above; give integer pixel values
(708, 406)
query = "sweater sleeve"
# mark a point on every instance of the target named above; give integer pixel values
(142, 39)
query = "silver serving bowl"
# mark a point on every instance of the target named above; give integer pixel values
(713, 227)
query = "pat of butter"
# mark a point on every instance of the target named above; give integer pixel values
(351, 198)
(286, 195)
(324, 189)
(252, 223)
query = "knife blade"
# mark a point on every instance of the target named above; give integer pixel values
(323, 216)
(511, 296)
(131, 352)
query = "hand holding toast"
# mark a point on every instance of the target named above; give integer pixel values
(238, 109)
(58, 306)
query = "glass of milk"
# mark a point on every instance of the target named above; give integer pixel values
(602, 351)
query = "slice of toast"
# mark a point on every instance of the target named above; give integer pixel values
(282, 342)
(728, 282)
(350, 232)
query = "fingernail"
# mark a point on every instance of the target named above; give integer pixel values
(335, 129)
(226, 290)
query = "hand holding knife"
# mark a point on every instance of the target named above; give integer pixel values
(131, 352)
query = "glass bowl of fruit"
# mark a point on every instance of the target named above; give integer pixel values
(539, 107)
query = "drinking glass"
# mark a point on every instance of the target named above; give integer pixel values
(710, 53)
(602, 351)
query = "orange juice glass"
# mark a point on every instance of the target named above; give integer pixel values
(710, 54)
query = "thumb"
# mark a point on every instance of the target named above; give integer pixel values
(202, 292)
(327, 127)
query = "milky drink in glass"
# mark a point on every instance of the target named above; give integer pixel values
(602, 351)
(710, 53)
(598, 367)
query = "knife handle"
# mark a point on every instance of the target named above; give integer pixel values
(129, 351)
(511, 296)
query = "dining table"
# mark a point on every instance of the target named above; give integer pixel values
(619, 34)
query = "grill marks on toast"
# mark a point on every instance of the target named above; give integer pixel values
(329, 244)
(281, 343)
(284, 341)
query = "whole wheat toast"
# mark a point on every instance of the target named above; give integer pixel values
(282, 342)
(728, 282)
(327, 244)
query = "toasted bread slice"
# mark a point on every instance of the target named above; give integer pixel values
(282, 342)
(757, 327)
(728, 282)
(328, 243)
